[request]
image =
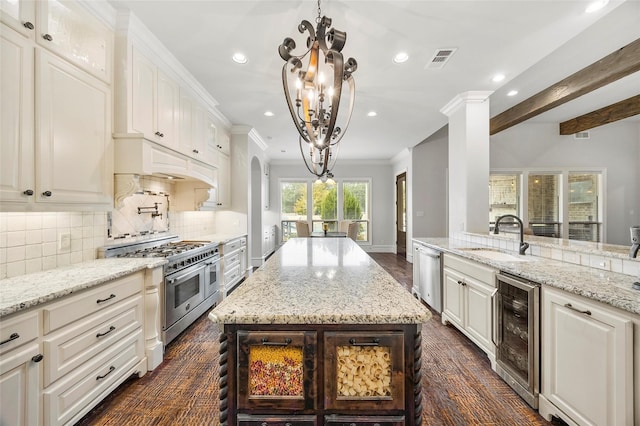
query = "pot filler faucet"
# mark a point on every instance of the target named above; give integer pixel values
(635, 241)
(523, 246)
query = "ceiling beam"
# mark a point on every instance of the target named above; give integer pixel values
(612, 67)
(618, 111)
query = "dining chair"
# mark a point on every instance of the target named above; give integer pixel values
(343, 226)
(302, 228)
(352, 231)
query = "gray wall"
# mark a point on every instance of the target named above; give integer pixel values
(429, 186)
(382, 196)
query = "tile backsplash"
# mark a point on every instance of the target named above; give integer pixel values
(37, 241)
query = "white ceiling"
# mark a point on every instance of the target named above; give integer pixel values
(532, 42)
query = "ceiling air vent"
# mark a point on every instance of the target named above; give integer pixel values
(581, 135)
(440, 58)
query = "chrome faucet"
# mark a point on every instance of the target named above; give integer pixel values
(523, 246)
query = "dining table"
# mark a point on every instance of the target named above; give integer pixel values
(328, 234)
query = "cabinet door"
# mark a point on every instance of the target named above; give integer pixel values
(364, 371)
(20, 386)
(73, 33)
(277, 370)
(143, 96)
(479, 312)
(224, 181)
(74, 157)
(453, 297)
(19, 15)
(587, 361)
(16, 125)
(223, 144)
(167, 110)
(210, 139)
(276, 420)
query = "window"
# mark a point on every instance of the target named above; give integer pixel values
(584, 207)
(504, 196)
(328, 203)
(544, 204)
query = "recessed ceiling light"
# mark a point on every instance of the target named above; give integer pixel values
(512, 93)
(497, 78)
(401, 57)
(239, 58)
(372, 114)
(596, 5)
(268, 113)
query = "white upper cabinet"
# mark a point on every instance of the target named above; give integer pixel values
(155, 102)
(56, 132)
(223, 144)
(66, 29)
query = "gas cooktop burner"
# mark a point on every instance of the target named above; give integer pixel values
(165, 250)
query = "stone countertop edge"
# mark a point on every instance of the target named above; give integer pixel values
(612, 288)
(28, 291)
(218, 238)
(359, 291)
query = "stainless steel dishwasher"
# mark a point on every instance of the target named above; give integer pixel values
(427, 276)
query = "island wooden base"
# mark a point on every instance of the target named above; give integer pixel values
(389, 396)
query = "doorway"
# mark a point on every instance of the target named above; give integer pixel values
(401, 214)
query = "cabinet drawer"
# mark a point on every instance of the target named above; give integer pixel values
(68, 348)
(470, 268)
(18, 330)
(232, 275)
(277, 370)
(87, 303)
(248, 420)
(80, 388)
(364, 370)
(364, 421)
(231, 260)
(231, 246)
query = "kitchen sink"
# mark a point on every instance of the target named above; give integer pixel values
(495, 254)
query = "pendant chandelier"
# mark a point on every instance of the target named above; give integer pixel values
(313, 94)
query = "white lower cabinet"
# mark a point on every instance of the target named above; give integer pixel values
(468, 292)
(587, 361)
(20, 361)
(59, 360)
(233, 263)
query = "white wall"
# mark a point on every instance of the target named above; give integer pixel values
(429, 210)
(382, 195)
(614, 147)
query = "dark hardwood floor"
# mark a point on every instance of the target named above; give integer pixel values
(459, 387)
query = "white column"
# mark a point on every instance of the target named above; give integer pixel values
(469, 118)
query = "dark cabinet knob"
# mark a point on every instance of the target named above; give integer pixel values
(46, 194)
(37, 358)
(28, 192)
(28, 25)
(195, 151)
(47, 37)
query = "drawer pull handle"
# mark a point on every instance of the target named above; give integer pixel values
(266, 342)
(28, 25)
(13, 336)
(111, 369)
(47, 37)
(108, 298)
(47, 194)
(375, 342)
(568, 305)
(28, 192)
(106, 332)
(37, 358)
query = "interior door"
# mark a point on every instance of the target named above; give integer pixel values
(401, 214)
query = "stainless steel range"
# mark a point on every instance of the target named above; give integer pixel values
(191, 274)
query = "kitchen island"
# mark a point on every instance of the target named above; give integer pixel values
(320, 334)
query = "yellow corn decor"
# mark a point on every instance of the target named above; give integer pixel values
(275, 371)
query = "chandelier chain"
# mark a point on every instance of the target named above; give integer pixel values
(319, 13)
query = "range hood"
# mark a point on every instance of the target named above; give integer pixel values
(139, 156)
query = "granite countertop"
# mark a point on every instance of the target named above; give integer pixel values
(320, 281)
(220, 238)
(26, 291)
(612, 288)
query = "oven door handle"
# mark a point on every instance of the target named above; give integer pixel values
(190, 273)
(495, 331)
